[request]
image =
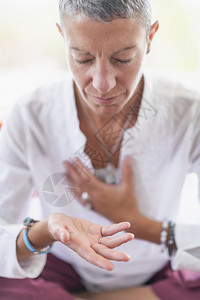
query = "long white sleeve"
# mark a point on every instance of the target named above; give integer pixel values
(188, 235)
(15, 188)
(188, 243)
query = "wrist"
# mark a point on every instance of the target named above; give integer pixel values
(39, 238)
(150, 230)
(39, 235)
(146, 229)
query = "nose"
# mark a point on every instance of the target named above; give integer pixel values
(103, 77)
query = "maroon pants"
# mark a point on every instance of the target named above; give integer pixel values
(58, 281)
(175, 285)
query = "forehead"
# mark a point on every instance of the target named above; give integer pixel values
(84, 33)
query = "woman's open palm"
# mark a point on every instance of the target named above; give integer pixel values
(91, 241)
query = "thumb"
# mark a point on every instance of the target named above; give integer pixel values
(127, 171)
(64, 236)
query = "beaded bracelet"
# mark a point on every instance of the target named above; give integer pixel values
(171, 238)
(163, 235)
(28, 222)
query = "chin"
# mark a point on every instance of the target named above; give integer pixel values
(108, 110)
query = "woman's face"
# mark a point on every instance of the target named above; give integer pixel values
(106, 60)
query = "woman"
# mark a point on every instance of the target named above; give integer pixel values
(124, 138)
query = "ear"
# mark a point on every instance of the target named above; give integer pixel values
(154, 28)
(60, 29)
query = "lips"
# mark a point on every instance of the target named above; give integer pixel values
(106, 101)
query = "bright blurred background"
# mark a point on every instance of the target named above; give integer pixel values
(32, 51)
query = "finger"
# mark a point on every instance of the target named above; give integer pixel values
(90, 255)
(79, 174)
(61, 234)
(78, 190)
(110, 254)
(64, 236)
(86, 204)
(84, 171)
(82, 175)
(127, 171)
(79, 198)
(114, 228)
(117, 241)
(72, 172)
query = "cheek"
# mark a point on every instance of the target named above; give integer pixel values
(136, 72)
(78, 73)
(131, 76)
(73, 67)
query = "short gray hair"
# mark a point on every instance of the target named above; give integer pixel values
(108, 10)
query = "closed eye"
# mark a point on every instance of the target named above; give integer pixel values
(81, 62)
(123, 61)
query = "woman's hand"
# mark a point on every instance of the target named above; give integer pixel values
(90, 240)
(116, 202)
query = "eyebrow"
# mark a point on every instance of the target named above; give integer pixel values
(117, 52)
(125, 49)
(80, 50)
